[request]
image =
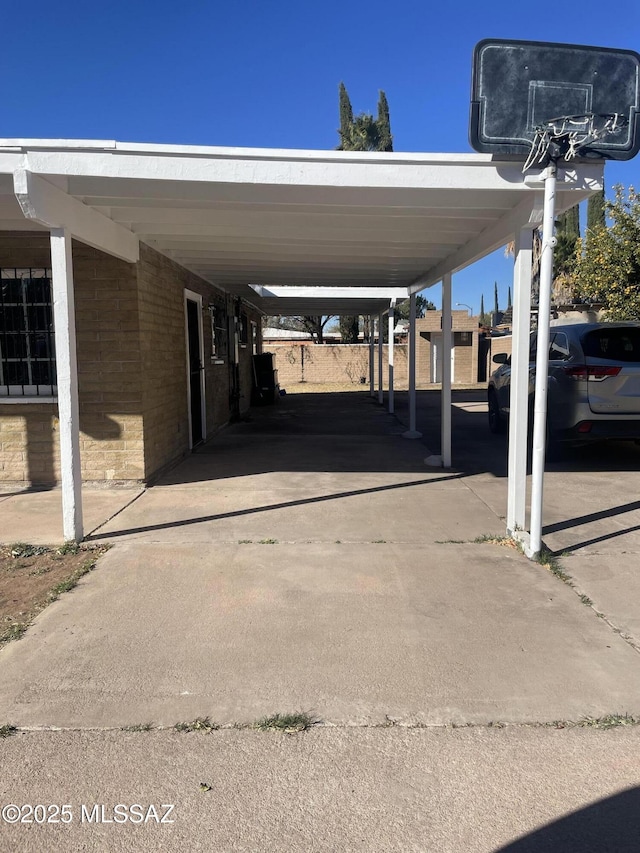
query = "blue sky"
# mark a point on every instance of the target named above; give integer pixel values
(267, 74)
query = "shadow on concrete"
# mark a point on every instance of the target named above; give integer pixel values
(607, 826)
(476, 450)
(283, 505)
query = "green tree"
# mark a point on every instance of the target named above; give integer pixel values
(483, 316)
(509, 297)
(422, 306)
(496, 307)
(364, 132)
(567, 236)
(346, 115)
(349, 329)
(384, 124)
(361, 133)
(607, 268)
(596, 216)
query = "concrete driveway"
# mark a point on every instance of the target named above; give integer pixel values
(307, 559)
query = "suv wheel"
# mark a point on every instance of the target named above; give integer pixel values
(496, 421)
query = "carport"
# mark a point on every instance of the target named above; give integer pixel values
(290, 232)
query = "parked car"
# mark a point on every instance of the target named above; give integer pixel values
(594, 384)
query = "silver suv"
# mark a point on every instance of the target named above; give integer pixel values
(594, 384)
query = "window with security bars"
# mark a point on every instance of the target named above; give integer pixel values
(27, 350)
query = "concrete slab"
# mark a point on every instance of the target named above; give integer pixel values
(612, 585)
(393, 790)
(357, 633)
(36, 516)
(592, 513)
(422, 509)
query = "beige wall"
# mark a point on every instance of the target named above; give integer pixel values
(333, 363)
(347, 363)
(132, 372)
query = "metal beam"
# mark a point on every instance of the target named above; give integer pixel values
(67, 380)
(528, 211)
(412, 432)
(390, 353)
(447, 340)
(44, 203)
(380, 359)
(519, 386)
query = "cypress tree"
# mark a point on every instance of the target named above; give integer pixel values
(482, 317)
(384, 124)
(496, 307)
(595, 213)
(567, 235)
(346, 118)
(509, 297)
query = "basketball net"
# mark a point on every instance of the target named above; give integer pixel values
(565, 137)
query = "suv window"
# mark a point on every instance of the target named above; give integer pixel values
(617, 344)
(558, 347)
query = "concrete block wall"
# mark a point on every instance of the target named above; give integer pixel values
(109, 366)
(334, 363)
(108, 375)
(132, 373)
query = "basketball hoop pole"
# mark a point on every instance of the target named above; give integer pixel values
(542, 359)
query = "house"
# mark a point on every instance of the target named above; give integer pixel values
(164, 360)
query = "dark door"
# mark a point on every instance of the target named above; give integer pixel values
(195, 369)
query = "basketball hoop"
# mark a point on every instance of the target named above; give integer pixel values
(565, 137)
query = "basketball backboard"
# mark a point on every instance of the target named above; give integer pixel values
(519, 86)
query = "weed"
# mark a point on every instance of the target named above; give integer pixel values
(200, 724)
(550, 561)
(378, 541)
(297, 722)
(7, 730)
(69, 548)
(586, 600)
(72, 581)
(139, 727)
(13, 632)
(268, 542)
(245, 541)
(492, 538)
(451, 542)
(610, 721)
(205, 786)
(22, 549)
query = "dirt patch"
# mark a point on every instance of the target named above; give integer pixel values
(31, 577)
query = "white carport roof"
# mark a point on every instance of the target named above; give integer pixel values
(242, 217)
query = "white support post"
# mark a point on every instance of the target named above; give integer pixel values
(447, 341)
(380, 360)
(412, 432)
(519, 385)
(372, 385)
(390, 349)
(542, 363)
(67, 380)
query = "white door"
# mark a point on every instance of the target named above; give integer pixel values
(437, 352)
